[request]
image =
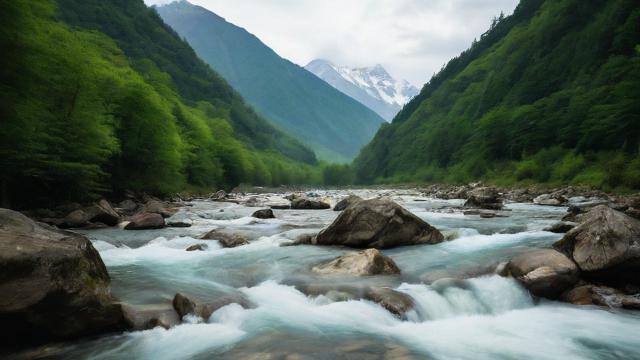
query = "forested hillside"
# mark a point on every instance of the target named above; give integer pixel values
(550, 94)
(101, 97)
(332, 123)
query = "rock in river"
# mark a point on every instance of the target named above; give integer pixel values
(226, 239)
(144, 221)
(263, 214)
(547, 273)
(53, 284)
(367, 262)
(303, 203)
(605, 244)
(346, 202)
(380, 224)
(484, 198)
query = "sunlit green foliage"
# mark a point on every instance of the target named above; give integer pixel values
(78, 120)
(550, 94)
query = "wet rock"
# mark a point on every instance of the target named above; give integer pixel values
(102, 212)
(157, 207)
(280, 206)
(561, 227)
(377, 223)
(145, 221)
(606, 243)
(180, 219)
(394, 301)
(198, 247)
(487, 215)
(127, 207)
(75, 219)
(186, 305)
(602, 296)
(546, 273)
(226, 239)
(308, 204)
(264, 214)
(550, 200)
(144, 317)
(219, 195)
(54, 284)
(362, 263)
(346, 202)
(484, 198)
(445, 283)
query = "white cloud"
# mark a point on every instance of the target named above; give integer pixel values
(412, 39)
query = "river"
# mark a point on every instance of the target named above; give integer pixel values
(490, 317)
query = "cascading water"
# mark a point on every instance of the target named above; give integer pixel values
(462, 311)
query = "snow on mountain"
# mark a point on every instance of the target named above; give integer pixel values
(371, 86)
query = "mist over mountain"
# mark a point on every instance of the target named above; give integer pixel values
(371, 86)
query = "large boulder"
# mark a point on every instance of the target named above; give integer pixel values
(346, 202)
(53, 284)
(367, 262)
(145, 221)
(606, 243)
(308, 204)
(102, 212)
(380, 224)
(157, 207)
(179, 219)
(546, 273)
(484, 198)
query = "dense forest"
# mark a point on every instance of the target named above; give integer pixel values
(332, 123)
(99, 97)
(550, 94)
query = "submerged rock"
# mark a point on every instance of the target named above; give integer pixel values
(188, 305)
(263, 214)
(546, 273)
(377, 223)
(144, 317)
(394, 301)
(606, 244)
(484, 198)
(226, 239)
(145, 221)
(346, 202)
(54, 284)
(308, 204)
(367, 262)
(198, 247)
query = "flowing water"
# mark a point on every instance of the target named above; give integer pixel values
(484, 317)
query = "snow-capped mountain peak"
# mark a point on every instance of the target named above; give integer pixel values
(372, 86)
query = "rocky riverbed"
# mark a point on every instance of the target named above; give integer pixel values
(403, 276)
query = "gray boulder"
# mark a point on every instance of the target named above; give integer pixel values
(226, 239)
(264, 214)
(145, 221)
(484, 198)
(380, 224)
(179, 219)
(546, 273)
(362, 263)
(394, 301)
(346, 202)
(54, 284)
(606, 241)
(307, 204)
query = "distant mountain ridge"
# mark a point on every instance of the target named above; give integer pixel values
(371, 86)
(330, 122)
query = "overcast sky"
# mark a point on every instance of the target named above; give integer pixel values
(412, 39)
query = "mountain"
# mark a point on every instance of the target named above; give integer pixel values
(550, 94)
(372, 87)
(332, 123)
(100, 97)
